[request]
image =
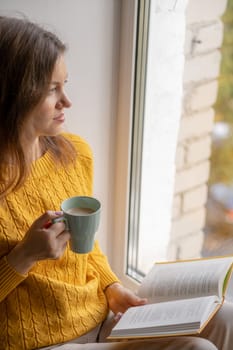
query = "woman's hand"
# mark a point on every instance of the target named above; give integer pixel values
(39, 243)
(120, 298)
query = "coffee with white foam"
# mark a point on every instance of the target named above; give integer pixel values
(80, 211)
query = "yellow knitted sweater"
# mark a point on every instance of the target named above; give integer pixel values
(58, 299)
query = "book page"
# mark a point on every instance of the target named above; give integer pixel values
(229, 291)
(181, 315)
(188, 279)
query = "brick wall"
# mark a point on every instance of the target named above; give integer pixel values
(204, 34)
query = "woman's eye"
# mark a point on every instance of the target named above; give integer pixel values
(53, 89)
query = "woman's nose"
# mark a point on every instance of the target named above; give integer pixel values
(64, 102)
(67, 101)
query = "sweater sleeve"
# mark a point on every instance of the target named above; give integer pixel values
(9, 278)
(100, 261)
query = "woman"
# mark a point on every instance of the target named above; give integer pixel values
(48, 294)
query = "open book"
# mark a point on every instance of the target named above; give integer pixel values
(182, 298)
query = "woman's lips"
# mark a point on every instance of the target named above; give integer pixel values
(60, 118)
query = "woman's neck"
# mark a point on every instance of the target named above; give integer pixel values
(33, 150)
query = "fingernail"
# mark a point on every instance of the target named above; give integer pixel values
(47, 224)
(117, 316)
(58, 212)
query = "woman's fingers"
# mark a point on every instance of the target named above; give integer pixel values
(45, 220)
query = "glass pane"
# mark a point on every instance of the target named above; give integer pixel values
(159, 67)
(159, 87)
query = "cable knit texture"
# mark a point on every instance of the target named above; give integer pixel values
(58, 299)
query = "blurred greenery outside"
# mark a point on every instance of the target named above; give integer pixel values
(219, 216)
(222, 153)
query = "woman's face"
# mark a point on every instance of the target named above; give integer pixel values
(48, 117)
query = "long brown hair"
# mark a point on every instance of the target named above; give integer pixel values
(28, 54)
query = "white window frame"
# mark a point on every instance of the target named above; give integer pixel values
(123, 141)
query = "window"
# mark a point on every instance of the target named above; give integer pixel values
(153, 104)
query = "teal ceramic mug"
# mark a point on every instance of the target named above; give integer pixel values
(82, 216)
